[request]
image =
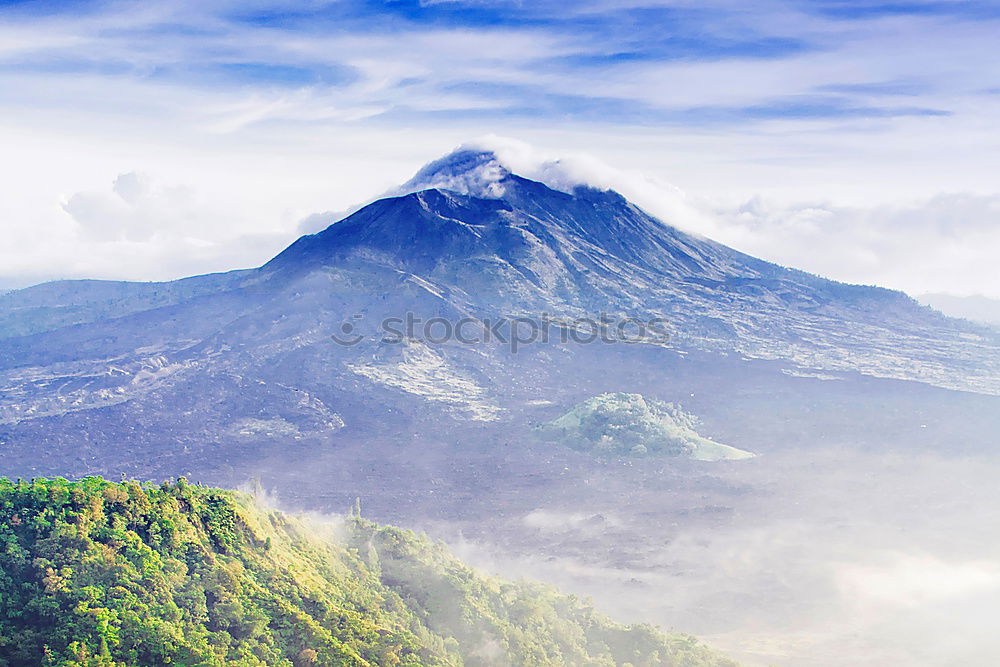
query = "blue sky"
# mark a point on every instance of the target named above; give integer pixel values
(588, 61)
(251, 116)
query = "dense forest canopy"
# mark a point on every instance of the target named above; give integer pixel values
(101, 573)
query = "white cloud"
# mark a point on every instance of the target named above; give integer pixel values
(131, 211)
(946, 243)
(136, 228)
(910, 580)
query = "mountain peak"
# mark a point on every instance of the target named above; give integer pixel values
(468, 171)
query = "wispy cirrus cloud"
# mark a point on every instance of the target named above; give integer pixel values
(380, 56)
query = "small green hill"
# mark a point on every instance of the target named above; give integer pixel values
(633, 425)
(98, 573)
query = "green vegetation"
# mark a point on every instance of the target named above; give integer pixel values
(633, 425)
(98, 573)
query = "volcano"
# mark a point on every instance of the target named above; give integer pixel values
(227, 369)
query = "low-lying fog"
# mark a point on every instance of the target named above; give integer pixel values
(831, 558)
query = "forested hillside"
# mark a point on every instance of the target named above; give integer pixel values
(101, 573)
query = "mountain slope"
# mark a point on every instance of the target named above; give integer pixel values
(95, 573)
(69, 302)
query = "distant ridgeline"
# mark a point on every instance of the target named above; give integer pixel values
(633, 425)
(99, 573)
